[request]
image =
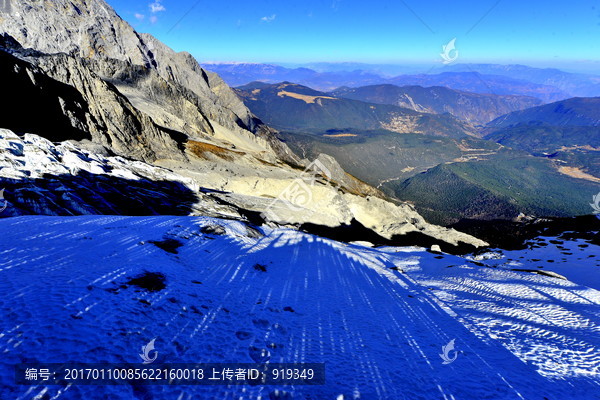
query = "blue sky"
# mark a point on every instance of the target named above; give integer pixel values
(536, 32)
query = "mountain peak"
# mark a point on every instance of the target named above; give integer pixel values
(83, 28)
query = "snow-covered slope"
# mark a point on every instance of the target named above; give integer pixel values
(45, 178)
(378, 318)
(575, 259)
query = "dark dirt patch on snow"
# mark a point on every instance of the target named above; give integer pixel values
(150, 281)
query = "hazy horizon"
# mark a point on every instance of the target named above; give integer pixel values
(538, 33)
(582, 67)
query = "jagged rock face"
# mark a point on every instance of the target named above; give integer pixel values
(114, 114)
(183, 69)
(148, 73)
(92, 30)
(84, 28)
(29, 90)
(79, 105)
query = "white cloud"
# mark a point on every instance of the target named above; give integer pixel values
(153, 19)
(268, 19)
(156, 6)
(140, 17)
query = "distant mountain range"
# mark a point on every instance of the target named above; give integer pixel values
(545, 84)
(471, 107)
(571, 112)
(567, 124)
(567, 131)
(541, 161)
(500, 187)
(565, 138)
(238, 74)
(573, 83)
(472, 81)
(293, 107)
